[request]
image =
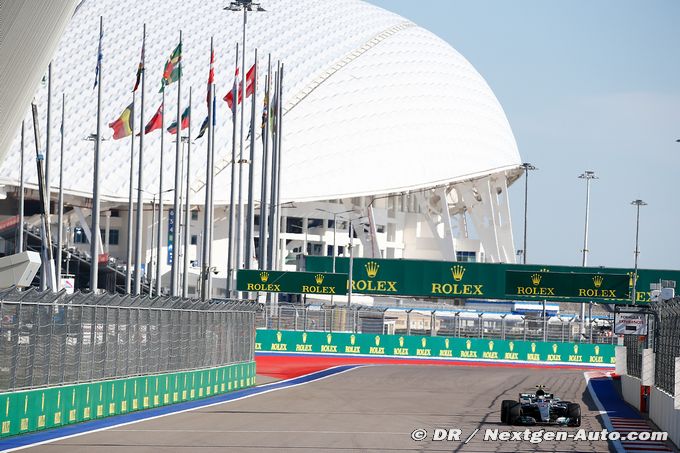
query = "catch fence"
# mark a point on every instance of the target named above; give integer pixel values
(466, 324)
(51, 339)
(666, 343)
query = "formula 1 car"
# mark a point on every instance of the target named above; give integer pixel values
(540, 408)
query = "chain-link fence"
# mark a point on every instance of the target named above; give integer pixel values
(467, 324)
(634, 345)
(667, 343)
(48, 339)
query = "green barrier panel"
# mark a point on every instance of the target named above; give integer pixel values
(442, 279)
(33, 410)
(433, 347)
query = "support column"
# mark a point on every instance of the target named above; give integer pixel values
(107, 231)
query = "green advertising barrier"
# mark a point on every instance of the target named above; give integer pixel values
(442, 279)
(566, 286)
(433, 347)
(291, 282)
(38, 409)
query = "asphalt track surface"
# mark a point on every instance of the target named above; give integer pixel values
(373, 408)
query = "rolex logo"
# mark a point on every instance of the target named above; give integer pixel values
(597, 281)
(264, 276)
(279, 335)
(533, 347)
(446, 343)
(554, 348)
(329, 337)
(512, 346)
(318, 278)
(575, 349)
(457, 272)
(401, 342)
(597, 350)
(352, 339)
(468, 344)
(423, 342)
(377, 340)
(372, 269)
(304, 337)
(490, 345)
(536, 279)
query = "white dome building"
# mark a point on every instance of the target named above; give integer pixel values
(381, 118)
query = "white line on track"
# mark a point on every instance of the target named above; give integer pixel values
(254, 431)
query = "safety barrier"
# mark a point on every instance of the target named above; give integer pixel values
(38, 409)
(434, 348)
(444, 321)
(70, 358)
(55, 338)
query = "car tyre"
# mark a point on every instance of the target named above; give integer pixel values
(574, 414)
(504, 410)
(514, 412)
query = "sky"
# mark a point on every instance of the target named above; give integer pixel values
(586, 85)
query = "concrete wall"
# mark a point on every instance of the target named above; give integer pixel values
(663, 413)
(630, 387)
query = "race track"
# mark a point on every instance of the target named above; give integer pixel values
(373, 408)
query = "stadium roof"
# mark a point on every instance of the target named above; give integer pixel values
(373, 103)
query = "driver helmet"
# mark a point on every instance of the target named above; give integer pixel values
(540, 394)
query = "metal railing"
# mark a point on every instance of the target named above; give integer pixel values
(466, 324)
(666, 342)
(56, 338)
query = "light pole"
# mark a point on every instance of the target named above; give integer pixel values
(245, 6)
(588, 175)
(335, 228)
(527, 168)
(637, 204)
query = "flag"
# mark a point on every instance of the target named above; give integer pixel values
(250, 87)
(211, 76)
(173, 68)
(99, 58)
(155, 122)
(185, 121)
(204, 127)
(140, 69)
(272, 121)
(230, 96)
(265, 112)
(121, 127)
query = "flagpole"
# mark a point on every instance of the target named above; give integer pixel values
(211, 230)
(128, 266)
(152, 266)
(94, 228)
(20, 245)
(174, 275)
(279, 121)
(265, 170)
(140, 183)
(43, 270)
(160, 203)
(271, 263)
(60, 215)
(232, 196)
(207, 239)
(241, 161)
(250, 224)
(211, 223)
(48, 136)
(46, 240)
(187, 209)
